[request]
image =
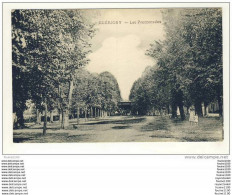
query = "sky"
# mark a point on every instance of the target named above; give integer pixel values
(120, 48)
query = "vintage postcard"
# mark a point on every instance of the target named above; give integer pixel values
(123, 79)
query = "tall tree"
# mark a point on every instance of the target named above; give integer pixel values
(55, 44)
(191, 56)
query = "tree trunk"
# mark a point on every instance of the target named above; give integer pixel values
(181, 108)
(78, 114)
(198, 108)
(20, 119)
(62, 119)
(168, 109)
(174, 110)
(70, 93)
(91, 112)
(205, 109)
(182, 115)
(14, 121)
(45, 117)
(65, 115)
(95, 112)
(187, 110)
(86, 114)
(220, 104)
(66, 119)
(51, 117)
(38, 116)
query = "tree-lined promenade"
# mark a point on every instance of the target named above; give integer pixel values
(125, 129)
(50, 51)
(49, 48)
(188, 70)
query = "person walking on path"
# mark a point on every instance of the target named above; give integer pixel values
(193, 118)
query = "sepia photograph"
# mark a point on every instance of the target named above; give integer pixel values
(117, 75)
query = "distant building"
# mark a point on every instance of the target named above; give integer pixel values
(125, 107)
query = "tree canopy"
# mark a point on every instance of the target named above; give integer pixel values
(96, 90)
(49, 46)
(188, 62)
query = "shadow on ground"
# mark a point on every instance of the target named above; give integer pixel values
(157, 124)
(127, 121)
(21, 139)
(121, 127)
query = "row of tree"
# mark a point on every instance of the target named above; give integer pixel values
(96, 90)
(93, 95)
(48, 49)
(189, 69)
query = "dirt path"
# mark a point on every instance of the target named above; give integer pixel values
(125, 129)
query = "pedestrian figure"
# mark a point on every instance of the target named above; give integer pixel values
(193, 118)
